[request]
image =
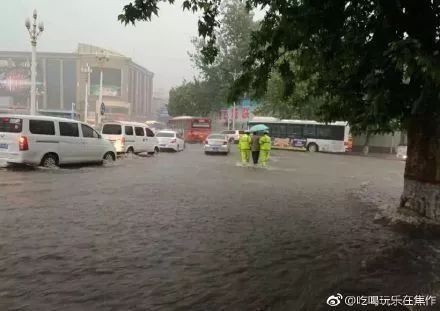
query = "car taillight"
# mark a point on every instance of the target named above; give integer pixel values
(173, 141)
(23, 143)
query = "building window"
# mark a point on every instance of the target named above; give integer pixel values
(69, 83)
(111, 81)
(53, 81)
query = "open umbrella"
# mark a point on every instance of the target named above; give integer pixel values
(258, 128)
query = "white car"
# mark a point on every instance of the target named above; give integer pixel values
(130, 137)
(217, 143)
(50, 141)
(170, 140)
(233, 135)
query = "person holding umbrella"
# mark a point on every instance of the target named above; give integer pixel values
(265, 147)
(255, 147)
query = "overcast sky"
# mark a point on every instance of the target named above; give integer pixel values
(161, 45)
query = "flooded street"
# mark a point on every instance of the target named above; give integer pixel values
(185, 231)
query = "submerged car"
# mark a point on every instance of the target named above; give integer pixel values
(170, 140)
(217, 143)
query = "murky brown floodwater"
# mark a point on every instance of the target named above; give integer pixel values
(187, 231)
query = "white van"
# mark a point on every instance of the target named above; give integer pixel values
(51, 141)
(130, 137)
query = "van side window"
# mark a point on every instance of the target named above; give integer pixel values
(149, 132)
(88, 132)
(128, 130)
(69, 129)
(139, 131)
(41, 127)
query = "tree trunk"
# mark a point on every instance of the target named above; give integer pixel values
(421, 193)
(366, 147)
(402, 138)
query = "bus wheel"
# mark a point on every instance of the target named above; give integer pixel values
(312, 147)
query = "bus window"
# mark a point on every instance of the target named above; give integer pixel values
(324, 132)
(330, 132)
(309, 131)
(338, 132)
(274, 130)
(200, 124)
(295, 130)
(283, 131)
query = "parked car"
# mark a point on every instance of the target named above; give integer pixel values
(51, 141)
(130, 137)
(217, 143)
(170, 140)
(233, 135)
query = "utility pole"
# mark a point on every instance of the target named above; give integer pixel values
(34, 33)
(101, 59)
(87, 70)
(233, 117)
(234, 76)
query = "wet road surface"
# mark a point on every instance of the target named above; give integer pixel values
(185, 231)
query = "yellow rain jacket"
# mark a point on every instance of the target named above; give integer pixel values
(265, 143)
(245, 142)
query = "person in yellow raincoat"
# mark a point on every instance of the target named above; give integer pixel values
(244, 144)
(265, 147)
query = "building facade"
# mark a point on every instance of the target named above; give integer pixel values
(62, 83)
(385, 143)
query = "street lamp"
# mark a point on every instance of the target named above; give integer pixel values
(87, 70)
(234, 77)
(101, 58)
(34, 33)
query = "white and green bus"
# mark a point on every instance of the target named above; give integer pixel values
(310, 135)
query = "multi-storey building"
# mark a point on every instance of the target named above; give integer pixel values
(61, 84)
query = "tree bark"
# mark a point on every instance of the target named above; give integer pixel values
(366, 147)
(402, 138)
(421, 192)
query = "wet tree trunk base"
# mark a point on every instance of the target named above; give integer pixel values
(421, 199)
(421, 191)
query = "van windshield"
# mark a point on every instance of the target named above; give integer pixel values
(11, 125)
(112, 129)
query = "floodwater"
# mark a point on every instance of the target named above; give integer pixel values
(185, 231)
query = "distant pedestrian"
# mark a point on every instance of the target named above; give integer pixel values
(255, 147)
(265, 147)
(244, 144)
